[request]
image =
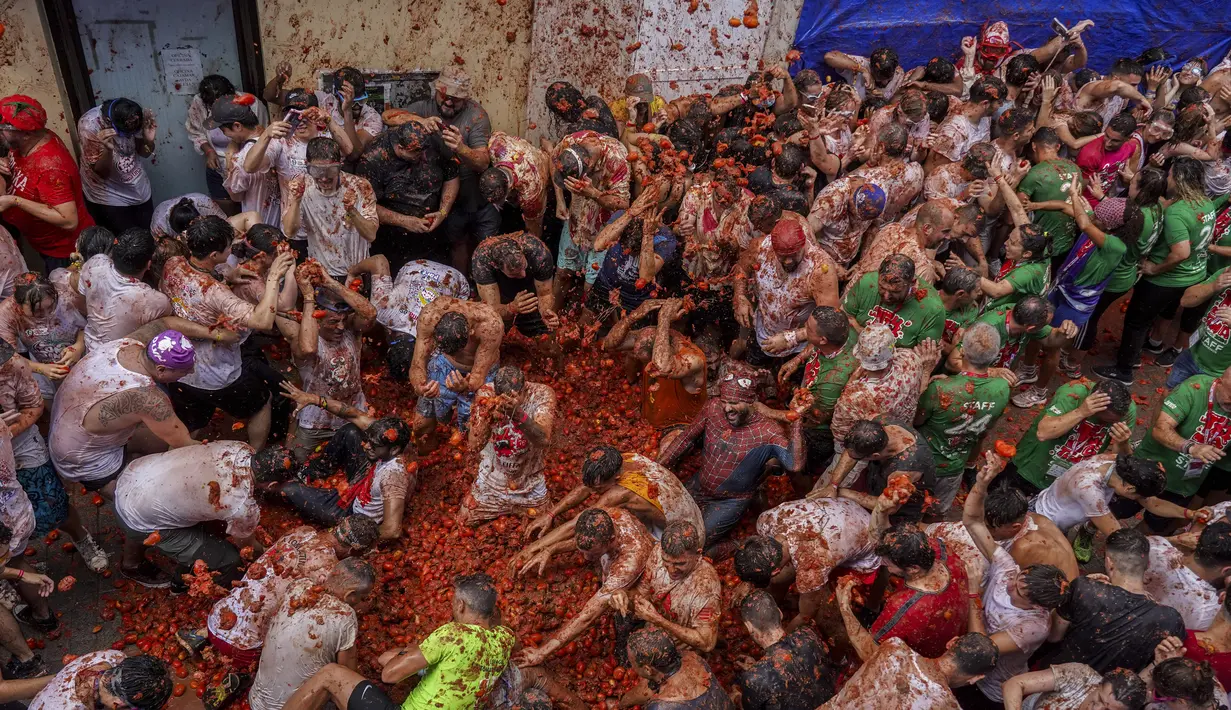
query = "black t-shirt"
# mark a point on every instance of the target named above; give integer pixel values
(794, 674)
(405, 187)
(539, 264)
(1110, 627)
(917, 457)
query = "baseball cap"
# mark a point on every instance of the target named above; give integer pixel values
(455, 82)
(228, 109)
(301, 99)
(641, 86)
(874, 349)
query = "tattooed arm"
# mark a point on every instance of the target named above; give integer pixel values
(151, 407)
(351, 414)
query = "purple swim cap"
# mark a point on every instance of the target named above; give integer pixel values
(869, 202)
(171, 350)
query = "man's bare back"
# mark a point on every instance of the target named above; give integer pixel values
(1045, 545)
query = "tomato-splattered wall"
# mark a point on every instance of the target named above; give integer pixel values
(489, 38)
(27, 65)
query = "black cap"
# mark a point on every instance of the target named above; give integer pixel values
(300, 99)
(226, 111)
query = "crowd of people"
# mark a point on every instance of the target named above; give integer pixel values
(835, 287)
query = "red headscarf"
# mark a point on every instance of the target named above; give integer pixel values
(787, 237)
(23, 113)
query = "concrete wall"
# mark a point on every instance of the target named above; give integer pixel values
(490, 39)
(27, 63)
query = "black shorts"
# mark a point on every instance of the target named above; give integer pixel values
(98, 484)
(367, 696)
(241, 399)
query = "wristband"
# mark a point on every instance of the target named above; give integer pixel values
(792, 338)
(743, 96)
(1186, 447)
(521, 419)
(814, 138)
(21, 574)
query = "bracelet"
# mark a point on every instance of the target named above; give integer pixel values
(814, 138)
(1189, 514)
(1186, 447)
(521, 419)
(21, 573)
(324, 405)
(743, 96)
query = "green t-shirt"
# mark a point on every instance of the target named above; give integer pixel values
(1188, 404)
(1222, 237)
(1041, 462)
(1027, 279)
(959, 318)
(1102, 262)
(957, 411)
(921, 317)
(1009, 345)
(1125, 274)
(464, 663)
(1191, 222)
(825, 377)
(1210, 350)
(1046, 182)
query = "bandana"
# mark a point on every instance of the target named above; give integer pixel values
(23, 113)
(869, 202)
(787, 237)
(171, 350)
(345, 534)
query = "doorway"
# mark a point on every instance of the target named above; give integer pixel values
(154, 52)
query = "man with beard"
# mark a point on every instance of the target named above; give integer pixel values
(514, 275)
(513, 423)
(894, 297)
(739, 437)
(520, 175)
(415, 182)
(788, 275)
(465, 128)
(933, 224)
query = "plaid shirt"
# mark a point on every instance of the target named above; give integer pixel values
(732, 459)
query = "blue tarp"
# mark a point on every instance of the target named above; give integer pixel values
(920, 30)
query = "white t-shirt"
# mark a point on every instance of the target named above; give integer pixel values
(821, 534)
(15, 509)
(1080, 493)
(1170, 583)
(260, 189)
(332, 237)
(160, 225)
(369, 120)
(128, 184)
(893, 678)
(206, 300)
(390, 480)
(956, 134)
(288, 157)
(1074, 681)
(116, 304)
(303, 553)
(12, 262)
(1027, 627)
(333, 372)
(61, 692)
(189, 485)
(399, 301)
(300, 643)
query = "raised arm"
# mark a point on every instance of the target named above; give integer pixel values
(862, 641)
(973, 512)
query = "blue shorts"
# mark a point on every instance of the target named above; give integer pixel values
(1066, 312)
(47, 496)
(573, 259)
(438, 408)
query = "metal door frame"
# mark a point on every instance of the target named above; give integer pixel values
(70, 55)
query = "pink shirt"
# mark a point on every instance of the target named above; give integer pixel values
(203, 299)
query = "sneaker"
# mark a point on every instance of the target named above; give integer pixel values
(1167, 358)
(1111, 372)
(1027, 374)
(93, 555)
(46, 625)
(16, 670)
(1071, 370)
(191, 641)
(228, 689)
(1083, 544)
(1030, 397)
(147, 575)
(1154, 347)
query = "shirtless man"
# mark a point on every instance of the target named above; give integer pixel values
(513, 423)
(672, 367)
(804, 541)
(630, 482)
(112, 393)
(787, 275)
(611, 533)
(456, 352)
(1110, 95)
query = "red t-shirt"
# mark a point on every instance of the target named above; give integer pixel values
(1219, 662)
(48, 175)
(926, 622)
